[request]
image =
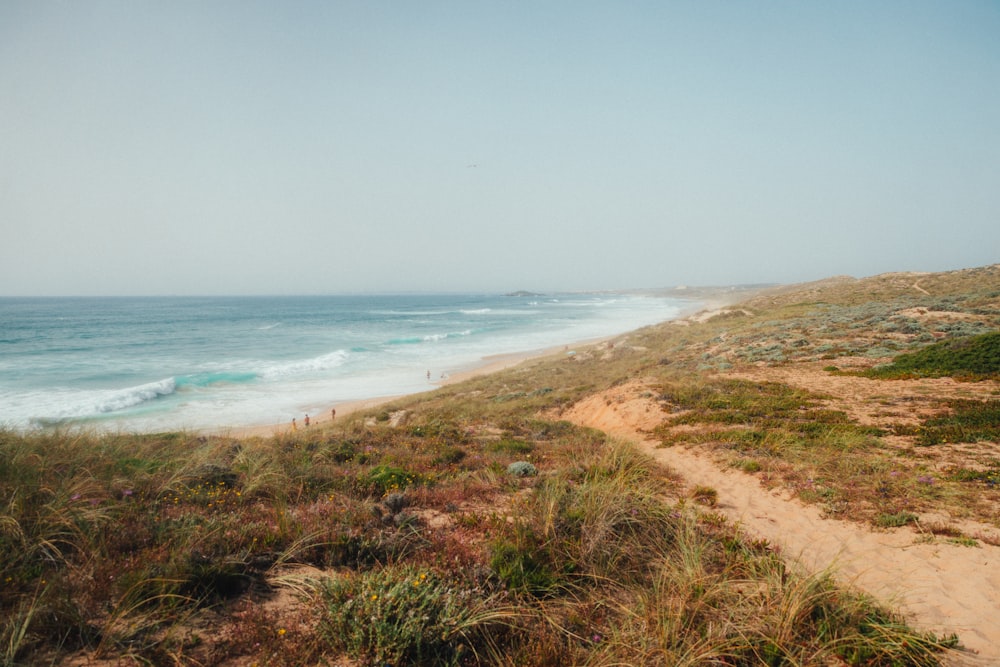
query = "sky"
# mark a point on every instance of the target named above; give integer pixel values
(217, 147)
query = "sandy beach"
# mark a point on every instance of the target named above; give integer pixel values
(490, 364)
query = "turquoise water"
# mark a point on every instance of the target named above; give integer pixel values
(159, 363)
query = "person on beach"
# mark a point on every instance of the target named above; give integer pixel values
(333, 413)
(428, 376)
(307, 421)
(295, 427)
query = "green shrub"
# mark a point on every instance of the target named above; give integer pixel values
(896, 520)
(973, 357)
(511, 446)
(522, 568)
(522, 469)
(969, 421)
(384, 479)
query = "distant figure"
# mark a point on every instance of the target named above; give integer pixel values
(295, 427)
(428, 376)
(307, 421)
(333, 414)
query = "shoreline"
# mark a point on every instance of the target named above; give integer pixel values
(487, 365)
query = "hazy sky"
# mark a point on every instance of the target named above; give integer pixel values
(212, 147)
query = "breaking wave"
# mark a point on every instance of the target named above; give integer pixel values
(430, 338)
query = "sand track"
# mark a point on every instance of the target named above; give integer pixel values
(938, 586)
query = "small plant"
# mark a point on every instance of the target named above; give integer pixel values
(896, 520)
(404, 615)
(969, 421)
(511, 446)
(705, 495)
(450, 455)
(522, 469)
(385, 479)
(522, 567)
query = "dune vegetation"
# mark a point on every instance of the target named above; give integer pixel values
(473, 526)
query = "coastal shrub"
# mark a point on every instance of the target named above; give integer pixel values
(973, 358)
(879, 351)
(968, 421)
(523, 566)
(735, 402)
(964, 328)
(522, 469)
(511, 446)
(439, 428)
(384, 479)
(341, 452)
(449, 455)
(989, 476)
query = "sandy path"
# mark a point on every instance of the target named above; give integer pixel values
(941, 587)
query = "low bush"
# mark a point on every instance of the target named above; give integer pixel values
(968, 358)
(968, 421)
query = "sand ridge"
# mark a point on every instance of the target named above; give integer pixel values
(939, 586)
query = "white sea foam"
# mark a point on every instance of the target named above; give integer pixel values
(323, 362)
(62, 404)
(114, 400)
(454, 334)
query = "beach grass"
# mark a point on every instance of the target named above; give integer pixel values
(163, 550)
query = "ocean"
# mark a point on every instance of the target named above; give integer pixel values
(150, 364)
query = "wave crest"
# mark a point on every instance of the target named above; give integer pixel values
(323, 362)
(430, 338)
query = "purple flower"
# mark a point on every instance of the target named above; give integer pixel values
(926, 479)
